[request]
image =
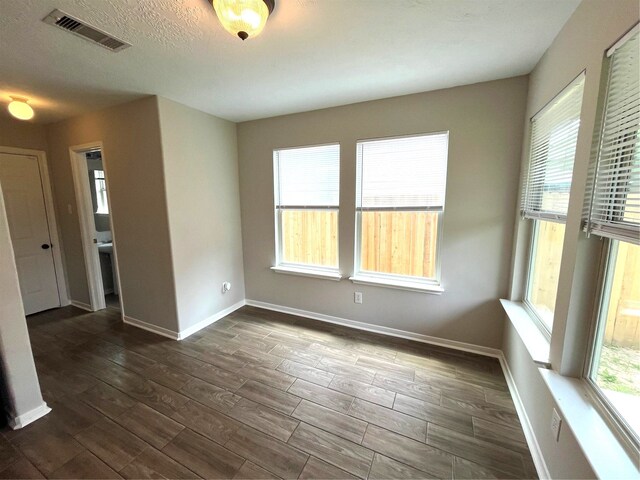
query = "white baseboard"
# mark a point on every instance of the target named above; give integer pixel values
(529, 434)
(392, 332)
(82, 305)
(208, 321)
(31, 416)
(165, 332)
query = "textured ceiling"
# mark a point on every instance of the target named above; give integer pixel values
(312, 53)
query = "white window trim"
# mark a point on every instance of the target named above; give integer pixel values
(308, 271)
(402, 282)
(528, 306)
(301, 269)
(396, 281)
(610, 413)
(615, 234)
(535, 342)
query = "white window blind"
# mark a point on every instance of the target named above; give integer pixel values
(614, 207)
(554, 133)
(406, 173)
(307, 177)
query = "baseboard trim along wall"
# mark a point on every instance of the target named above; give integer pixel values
(208, 321)
(529, 434)
(165, 332)
(25, 419)
(82, 305)
(182, 334)
(368, 327)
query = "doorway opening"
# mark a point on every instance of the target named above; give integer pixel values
(102, 222)
(92, 193)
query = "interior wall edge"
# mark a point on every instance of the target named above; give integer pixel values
(132, 148)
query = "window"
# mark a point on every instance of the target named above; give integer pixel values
(400, 194)
(615, 369)
(545, 268)
(545, 196)
(613, 212)
(101, 192)
(307, 183)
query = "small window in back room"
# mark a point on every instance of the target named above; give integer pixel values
(101, 192)
(400, 193)
(545, 197)
(306, 190)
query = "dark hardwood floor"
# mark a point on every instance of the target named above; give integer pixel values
(260, 395)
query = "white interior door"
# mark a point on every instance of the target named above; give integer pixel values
(24, 200)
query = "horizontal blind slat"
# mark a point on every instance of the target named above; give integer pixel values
(613, 208)
(402, 173)
(308, 176)
(554, 133)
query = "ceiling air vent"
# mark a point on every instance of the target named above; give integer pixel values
(84, 30)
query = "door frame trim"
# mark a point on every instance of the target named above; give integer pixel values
(54, 232)
(87, 224)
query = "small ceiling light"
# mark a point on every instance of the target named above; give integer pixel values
(20, 109)
(244, 18)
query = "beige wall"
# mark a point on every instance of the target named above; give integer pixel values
(175, 207)
(581, 45)
(132, 155)
(484, 121)
(15, 133)
(201, 175)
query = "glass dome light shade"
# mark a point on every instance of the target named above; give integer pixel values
(243, 18)
(20, 109)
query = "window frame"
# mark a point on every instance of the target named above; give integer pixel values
(102, 179)
(538, 214)
(610, 239)
(529, 306)
(531, 309)
(303, 269)
(629, 439)
(404, 282)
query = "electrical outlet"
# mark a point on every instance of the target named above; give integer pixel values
(556, 423)
(226, 286)
(357, 297)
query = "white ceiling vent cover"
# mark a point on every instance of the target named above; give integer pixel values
(78, 27)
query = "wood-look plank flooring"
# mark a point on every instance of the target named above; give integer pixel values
(260, 395)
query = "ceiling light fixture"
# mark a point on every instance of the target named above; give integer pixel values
(244, 18)
(20, 109)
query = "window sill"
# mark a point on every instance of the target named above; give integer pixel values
(603, 450)
(536, 343)
(398, 284)
(308, 272)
